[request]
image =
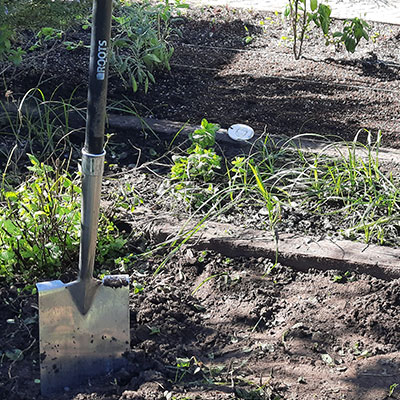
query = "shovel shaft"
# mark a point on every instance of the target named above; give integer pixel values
(93, 152)
(92, 173)
(98, 76)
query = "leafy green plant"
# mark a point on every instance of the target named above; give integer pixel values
(204, 136)
(7, 52)
(46, 34)
(248, 38)
(200, 164)
(353, 31)
(71, 46)
(296, 12)
(40, 226)
(141, 43)
(343, 278)
(392, 389)
(239, 170)
(192, 174)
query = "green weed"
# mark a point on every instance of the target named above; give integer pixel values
(205, 135)
(392, 389)
(198, 166)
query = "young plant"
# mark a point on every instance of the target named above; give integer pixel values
(300, 18)
(46, 34)
(7, 51)
(141, 44)
(204, 136)
(392, 389)
(248, 38)
(353, 31)
(192, 174)
(200, 164)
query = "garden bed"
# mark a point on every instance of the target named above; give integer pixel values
(229, 321)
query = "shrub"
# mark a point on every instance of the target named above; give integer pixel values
(40, 226)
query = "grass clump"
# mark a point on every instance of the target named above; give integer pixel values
(344, 184)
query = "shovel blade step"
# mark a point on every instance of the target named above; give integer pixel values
(74, 346)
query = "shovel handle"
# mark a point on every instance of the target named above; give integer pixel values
(98, 76)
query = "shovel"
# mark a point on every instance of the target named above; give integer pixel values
(84, 325)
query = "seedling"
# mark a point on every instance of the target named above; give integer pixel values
(46, 34)
(204, 136)
(343, 278)
(248, 38)
(392, 388)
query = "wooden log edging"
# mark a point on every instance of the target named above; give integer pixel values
(298, 252)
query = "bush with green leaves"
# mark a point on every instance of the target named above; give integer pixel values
(141, 43)
(296, 12)
(40, 226)
(200, 162)
(205, 135)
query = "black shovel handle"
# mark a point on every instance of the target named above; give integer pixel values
(98, 76)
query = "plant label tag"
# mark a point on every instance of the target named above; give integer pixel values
(240, 132)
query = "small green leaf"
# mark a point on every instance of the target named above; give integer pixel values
(134, 84)
(14, 355)
(313, 4)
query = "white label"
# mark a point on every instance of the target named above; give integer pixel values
(101, 60)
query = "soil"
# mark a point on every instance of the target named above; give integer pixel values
(241, 334)
(211, 327)
(216, 75)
